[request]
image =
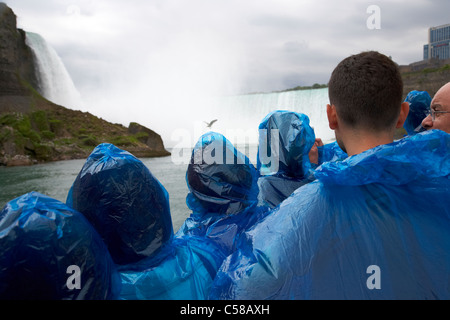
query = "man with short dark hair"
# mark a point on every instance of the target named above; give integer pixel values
(373, 226)
(365, 93)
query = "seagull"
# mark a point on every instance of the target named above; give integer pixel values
(209, 125)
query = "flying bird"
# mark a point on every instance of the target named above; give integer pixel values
(209, 125)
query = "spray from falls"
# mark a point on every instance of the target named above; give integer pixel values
(55, 83)
(247, 111)
(239, 118)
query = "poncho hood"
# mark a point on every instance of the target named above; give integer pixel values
(220, 178)
(42, 243)
(419, 105)
(126, 204)
(296, 138)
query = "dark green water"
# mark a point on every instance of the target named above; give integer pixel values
(55, 179)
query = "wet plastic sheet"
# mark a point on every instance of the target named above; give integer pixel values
(130, 208)
(51, 252)
(295, 140)
(374, 226)
(223, 192)
(285, 141)
(331, 152)
(419, 105)
(185, 271)
(124, 202)
(220, 178)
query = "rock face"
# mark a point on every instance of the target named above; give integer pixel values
(147, 136)
(16, 59)
(430, 80)
(33, 129)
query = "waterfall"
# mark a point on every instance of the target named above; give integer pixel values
(55, 83)
(239, 118)
(244, 112)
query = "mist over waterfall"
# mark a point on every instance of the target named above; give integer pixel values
(247, 111)
(55, 83)
(239, 116)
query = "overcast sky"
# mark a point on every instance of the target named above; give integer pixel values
(122, 52)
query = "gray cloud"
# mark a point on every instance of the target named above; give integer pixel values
(281, 37)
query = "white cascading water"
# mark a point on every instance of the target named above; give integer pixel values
(244, 112)
(239, 118)
(55, 83)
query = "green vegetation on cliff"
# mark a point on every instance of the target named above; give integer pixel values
(314, 86)
(61, 134)
(427, 71)
(429, 79)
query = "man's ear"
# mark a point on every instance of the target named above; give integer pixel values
(404, 111)
(332, 117)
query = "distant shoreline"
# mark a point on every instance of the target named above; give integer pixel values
(298, 88)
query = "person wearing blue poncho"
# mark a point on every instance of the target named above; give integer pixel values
(130, 210)
(419, 105)
(124, 202)
(49, 251)
(373, 226)
(288, 138)
(223, 193)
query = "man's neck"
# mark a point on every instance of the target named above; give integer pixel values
(359, 141)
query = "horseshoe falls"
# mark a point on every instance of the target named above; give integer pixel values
(240, 115)
(55, 83)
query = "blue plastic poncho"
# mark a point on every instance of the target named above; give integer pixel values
(51, 252)
(124, 202)
(285, 141)
(374, 226)
(223, 192)
(183, 270)
(419, 105)
(131, 210)
(331, 152)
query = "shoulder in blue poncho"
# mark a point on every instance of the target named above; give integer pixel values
(373, 226)
(49, 251)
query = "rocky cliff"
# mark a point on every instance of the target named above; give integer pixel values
(33, 129)
(429, 79)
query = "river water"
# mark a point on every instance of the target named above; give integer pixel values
(56, 178)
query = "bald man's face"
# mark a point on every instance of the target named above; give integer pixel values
(440, 107)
